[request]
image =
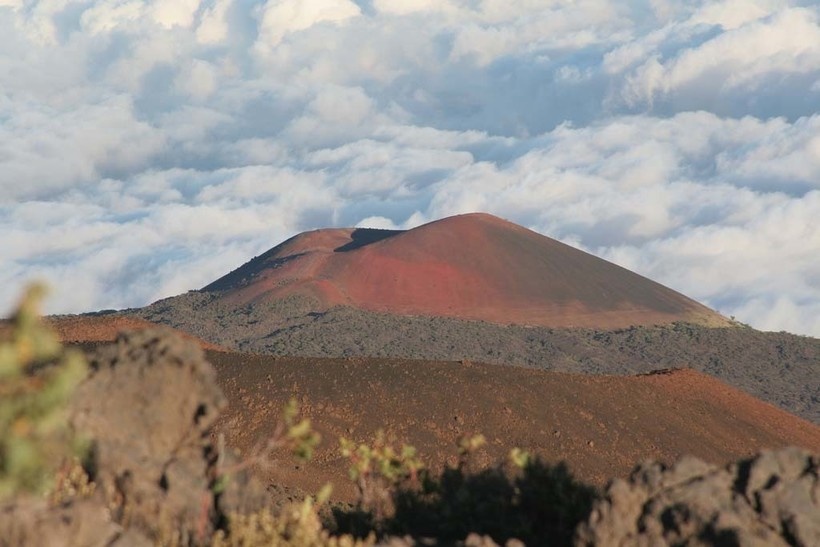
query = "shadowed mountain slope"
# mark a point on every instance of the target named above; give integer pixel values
(602, 426)
(473, 266)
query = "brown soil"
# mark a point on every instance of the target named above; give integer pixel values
(474, 266)
(602, 426)
(105, 328)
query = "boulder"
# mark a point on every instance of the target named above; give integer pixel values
(147, 406)
(146, 410)
(772, 499)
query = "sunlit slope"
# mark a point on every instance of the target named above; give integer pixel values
(601, 425)
(473, 266)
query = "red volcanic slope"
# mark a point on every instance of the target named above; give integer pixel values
(600, 425)
(473, 266)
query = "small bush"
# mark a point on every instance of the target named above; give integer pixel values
(526, 499)
(290, 433)
(71, 482)
(377, 470)
(536, 502)
(297, 525)
(37, 378)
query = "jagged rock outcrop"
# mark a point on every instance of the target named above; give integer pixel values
(146, 408)
(147, 405)
(35, 522)
(772, 499)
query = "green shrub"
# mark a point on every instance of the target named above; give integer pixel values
(535, 502)
(526, 499)
(297, 525)
(377, 470)
(37, 377)
(290, 433)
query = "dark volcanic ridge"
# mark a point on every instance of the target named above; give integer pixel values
(779, 368)
(473, 266)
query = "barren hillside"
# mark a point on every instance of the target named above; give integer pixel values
(602, 426)
(473, 266)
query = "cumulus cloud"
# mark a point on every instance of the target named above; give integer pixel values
(745, 59)
(278, 18)
(147, 147)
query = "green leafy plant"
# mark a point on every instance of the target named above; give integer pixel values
(378, 469)
(297, 525)
(467, 446)
(520, 458)
(290, 433)
(522, 498)
(37, 378)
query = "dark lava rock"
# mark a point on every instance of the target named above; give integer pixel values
(146, 408)
(771, 499)
(147, 405)
(30, 521)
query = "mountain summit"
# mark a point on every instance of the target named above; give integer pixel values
(474, 266)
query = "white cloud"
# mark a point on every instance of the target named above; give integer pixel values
(790, 42)
(545, 25)
(213, 26)
(46, 151)
(380, 223)
(171, 13)
(782, 313)
(405, 7)
(732, 14)
(107, 16)
(281, 17)
(198, 80)
(335, 109)
(749, 54)
(148, 147)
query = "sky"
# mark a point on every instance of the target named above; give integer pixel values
(147, 147)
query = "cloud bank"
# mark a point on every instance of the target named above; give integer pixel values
(148, 147)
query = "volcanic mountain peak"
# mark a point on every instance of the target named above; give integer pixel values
(474, 266)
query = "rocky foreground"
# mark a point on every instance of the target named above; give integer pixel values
(149, 406)
(770, 499)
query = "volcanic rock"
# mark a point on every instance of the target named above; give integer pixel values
(148, 406)
(146, 409)
(29, 521)
(771, 499)
(105, 327)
